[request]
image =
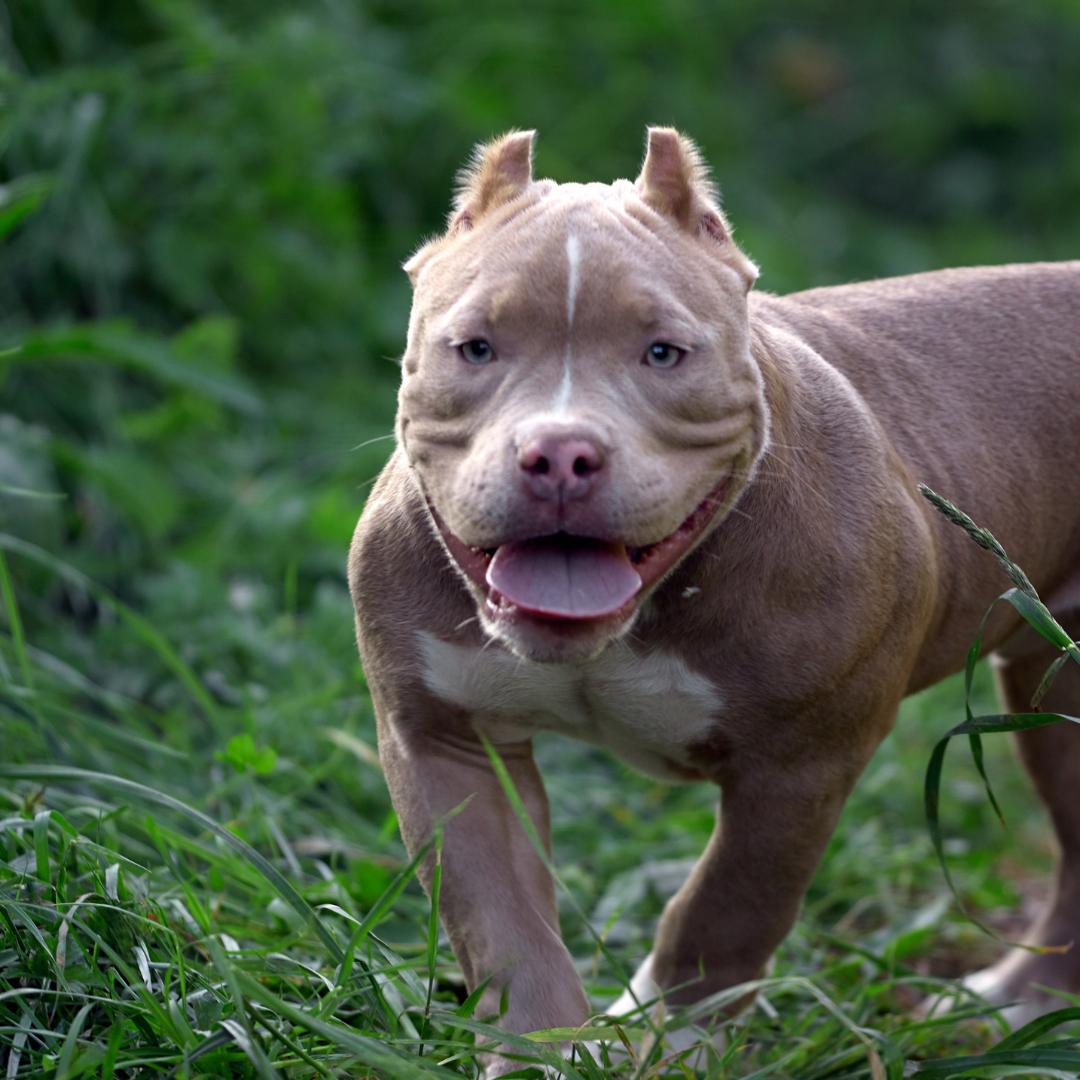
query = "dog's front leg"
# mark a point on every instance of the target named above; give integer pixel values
(497, 899)
(743, 895)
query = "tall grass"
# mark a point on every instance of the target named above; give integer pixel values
(274, 928)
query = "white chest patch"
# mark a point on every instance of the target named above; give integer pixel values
(647, 709)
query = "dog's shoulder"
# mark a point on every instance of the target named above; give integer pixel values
(397, 563)
(389, 520)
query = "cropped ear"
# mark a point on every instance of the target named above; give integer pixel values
(498, 172)
(675, 182)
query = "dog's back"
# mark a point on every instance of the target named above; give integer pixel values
(941, 359)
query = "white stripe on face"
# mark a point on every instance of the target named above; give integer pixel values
(573, 262)
(573, 259)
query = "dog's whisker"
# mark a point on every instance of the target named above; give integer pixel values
(741, 513)
(367, 483)
(371, 442)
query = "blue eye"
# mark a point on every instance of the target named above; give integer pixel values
(662, 355)
(477, 351)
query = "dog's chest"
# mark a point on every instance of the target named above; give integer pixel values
(650, 709)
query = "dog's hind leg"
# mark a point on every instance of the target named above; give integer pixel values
(1052, 757)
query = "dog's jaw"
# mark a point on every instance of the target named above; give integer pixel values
(553, 639)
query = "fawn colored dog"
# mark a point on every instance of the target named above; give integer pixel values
(638, 503)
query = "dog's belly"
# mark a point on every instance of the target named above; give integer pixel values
(650, 709)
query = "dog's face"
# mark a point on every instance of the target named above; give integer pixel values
(579, 403)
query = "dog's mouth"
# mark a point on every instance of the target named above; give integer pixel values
(575, 579)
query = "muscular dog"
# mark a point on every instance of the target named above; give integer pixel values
(638, 503)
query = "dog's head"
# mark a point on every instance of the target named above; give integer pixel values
(579, 403)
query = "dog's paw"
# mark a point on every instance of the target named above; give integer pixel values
(643, 1002)
(641, 994)
(1013, 988)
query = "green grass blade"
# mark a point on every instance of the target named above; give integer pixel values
(1048, 679)
(1025, 600)
(18, 638)
(433, 935)
(62, 773)
(378, 910)
(41, 845)
(143, 629)
(1037, 1057)
(1038, 617)
(974, 740)
(1038, 1027)
(241, 1029)
(71, 1042)
(979, 725)
(372, 1052)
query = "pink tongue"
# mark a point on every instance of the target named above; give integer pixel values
(564, 577)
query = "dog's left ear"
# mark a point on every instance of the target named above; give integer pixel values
(675, 182)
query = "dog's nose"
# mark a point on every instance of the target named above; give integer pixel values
(555, 465)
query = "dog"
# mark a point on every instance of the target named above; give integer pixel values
(635, 501)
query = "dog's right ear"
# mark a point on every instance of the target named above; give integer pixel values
(498, 172)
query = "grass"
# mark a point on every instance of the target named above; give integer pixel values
(214, 886)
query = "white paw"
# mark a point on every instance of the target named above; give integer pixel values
(1015, 1010)
(641, 991)
(1000, 986)
(643, 998)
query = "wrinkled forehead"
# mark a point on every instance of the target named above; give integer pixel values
(572, 248)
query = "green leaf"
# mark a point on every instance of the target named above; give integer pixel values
(242, 753)
(1038, 617)
(21, 197)
(118, 344)
(1048, 679)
